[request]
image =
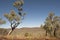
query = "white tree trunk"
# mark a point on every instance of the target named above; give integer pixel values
(10, 32)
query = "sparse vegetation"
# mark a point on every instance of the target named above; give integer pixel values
(52, 24)
(26, 34)
(49, 31)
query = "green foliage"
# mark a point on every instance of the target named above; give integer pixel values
(24, 14)
(52, 23)
(26, 34)
(12, 16)
(18, 3)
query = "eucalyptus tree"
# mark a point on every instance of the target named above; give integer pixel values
(52, 23)
(48, 23)
(56, 24)
(15, 18)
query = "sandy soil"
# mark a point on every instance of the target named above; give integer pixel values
(19, 38)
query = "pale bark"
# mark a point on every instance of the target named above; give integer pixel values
(9, 32)
(13, 28)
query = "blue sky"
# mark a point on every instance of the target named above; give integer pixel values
(37, 11)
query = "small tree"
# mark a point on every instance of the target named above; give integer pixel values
(52, 24)
(48, 23)
(13, 18)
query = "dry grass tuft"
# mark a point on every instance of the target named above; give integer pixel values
(10, 37)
